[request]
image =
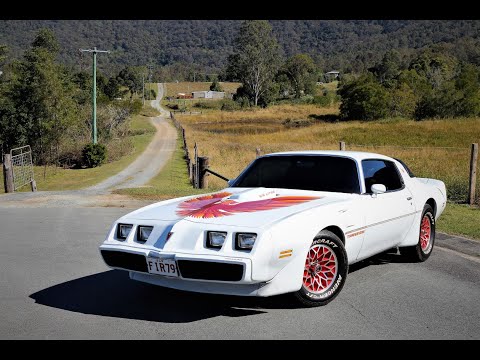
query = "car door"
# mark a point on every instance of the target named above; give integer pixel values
(388, 216)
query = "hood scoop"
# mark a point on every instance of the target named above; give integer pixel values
(253, 195)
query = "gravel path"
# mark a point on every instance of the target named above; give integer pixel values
(151, 161)
(137, 174)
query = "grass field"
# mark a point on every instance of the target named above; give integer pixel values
(58, 179)
(432, 148)
(460, 219)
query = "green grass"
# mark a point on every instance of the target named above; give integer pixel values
(458, 219)
(59, 179)
(172, 181)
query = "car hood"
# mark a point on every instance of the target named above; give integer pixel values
(246, 207)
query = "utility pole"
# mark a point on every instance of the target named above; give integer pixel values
(94, 51)
(143, 88)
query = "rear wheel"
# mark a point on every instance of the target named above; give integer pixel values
(426, 238)
(325, 271)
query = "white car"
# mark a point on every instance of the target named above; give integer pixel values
(291, 222)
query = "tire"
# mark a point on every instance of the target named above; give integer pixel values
(426, 238)
(321, 284)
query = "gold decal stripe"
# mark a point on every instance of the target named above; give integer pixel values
(379, 223)
(356, 233)
(286, 252)
(284, 256)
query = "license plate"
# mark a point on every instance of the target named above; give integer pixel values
(166, 267)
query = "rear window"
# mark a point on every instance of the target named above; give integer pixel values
(304, 172)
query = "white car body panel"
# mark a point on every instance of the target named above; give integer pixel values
(369, 224)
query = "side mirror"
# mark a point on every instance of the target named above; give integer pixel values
(379, 188)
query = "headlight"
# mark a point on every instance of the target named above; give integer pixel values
(123, 230)
(215, 239)
(144, 232)
(245, 241)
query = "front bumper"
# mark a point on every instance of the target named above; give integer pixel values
(244, 285)
(192, 267)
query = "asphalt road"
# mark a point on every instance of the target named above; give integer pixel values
(54, 285)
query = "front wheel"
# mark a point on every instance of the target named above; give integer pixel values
(325, 272)
(426, 238)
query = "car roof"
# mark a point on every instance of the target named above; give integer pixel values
(356, 155)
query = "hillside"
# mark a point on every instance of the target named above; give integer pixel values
(341, 44)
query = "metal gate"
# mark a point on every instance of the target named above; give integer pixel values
(22, 166)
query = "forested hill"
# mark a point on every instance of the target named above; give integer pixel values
(334, 44)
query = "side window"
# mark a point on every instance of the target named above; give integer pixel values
(381, 172)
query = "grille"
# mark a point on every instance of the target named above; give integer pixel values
(206, 270)
(125, 260)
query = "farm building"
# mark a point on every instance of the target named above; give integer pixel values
(208, 94)
(183, 96)
(332, 75)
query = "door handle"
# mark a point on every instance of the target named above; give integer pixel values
(409, 198)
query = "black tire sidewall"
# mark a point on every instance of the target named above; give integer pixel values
(331, 241)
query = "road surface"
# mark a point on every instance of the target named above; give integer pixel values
(54, 285)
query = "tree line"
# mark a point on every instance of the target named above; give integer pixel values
(432, 83)
(47, 104)
(184, 49)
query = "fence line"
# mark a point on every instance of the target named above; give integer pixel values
(179, 126)
(411, 147)
(198, 169)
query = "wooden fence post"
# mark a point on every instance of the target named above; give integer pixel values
(203, 163)
(194, 175)
(257, 152)
(473, 174)
(342, 145)
(8, 173)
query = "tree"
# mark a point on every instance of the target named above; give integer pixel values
(112, 89)
(388, 69)
(256, 59)
(468, 82)
(39, 105)
(364, 99)
(3, 53)
(300, 69)
(131, 77)
(215, 86)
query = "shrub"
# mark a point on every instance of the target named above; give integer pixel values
(172, 106)
(94, 155)
(207, 104)
(364, 99)
(230, 105)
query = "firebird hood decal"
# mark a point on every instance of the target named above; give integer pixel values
(218, 205)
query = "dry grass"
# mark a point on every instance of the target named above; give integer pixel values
(229, 139)
(186, 87)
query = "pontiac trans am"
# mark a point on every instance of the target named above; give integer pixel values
(291, 222)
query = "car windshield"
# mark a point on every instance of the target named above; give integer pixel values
(304, 172)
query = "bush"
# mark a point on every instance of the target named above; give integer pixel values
(364, 99)
(289, 123)
(230, 105)
(94, 155)
(172, 106)
(207, 104)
